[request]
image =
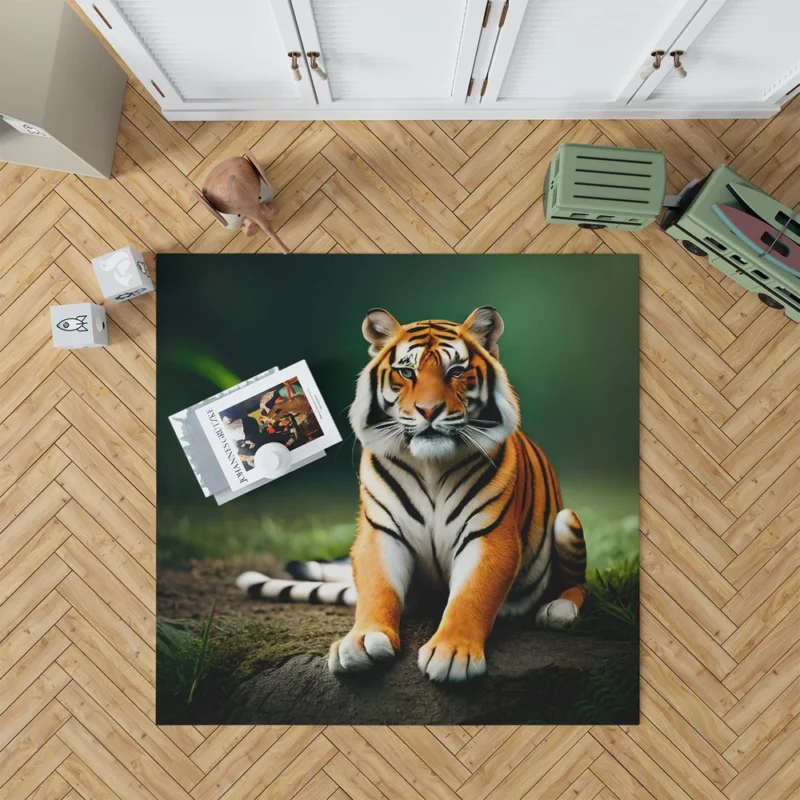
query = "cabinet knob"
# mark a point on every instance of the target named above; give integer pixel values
(676, 60)
(294, 55)
(657, 56)
(313, 56)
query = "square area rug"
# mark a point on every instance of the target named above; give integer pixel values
(466, 554)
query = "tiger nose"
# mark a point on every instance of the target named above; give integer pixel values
(429, 410)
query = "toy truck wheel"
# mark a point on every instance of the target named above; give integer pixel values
(769, 301)
(592, 226)
(693, 248)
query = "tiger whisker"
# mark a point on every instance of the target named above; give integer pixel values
(468, 438)
(482, 433)
(386, 432)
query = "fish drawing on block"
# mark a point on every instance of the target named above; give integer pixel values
(763, 238)
(77, 324)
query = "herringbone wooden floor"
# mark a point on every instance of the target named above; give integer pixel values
(720, 473)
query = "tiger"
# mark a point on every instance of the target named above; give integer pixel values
(452, 493)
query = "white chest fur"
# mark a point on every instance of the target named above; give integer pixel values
(425, 504)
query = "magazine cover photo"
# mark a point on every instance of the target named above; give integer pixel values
(409, 498)
(282, 414)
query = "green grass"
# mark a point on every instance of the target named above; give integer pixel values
(242, 537)
(609, 541)
(198, 671)
(607, 698)
(611, 610)
(183, 537)
(183, 659)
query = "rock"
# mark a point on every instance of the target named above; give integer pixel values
(534, 677)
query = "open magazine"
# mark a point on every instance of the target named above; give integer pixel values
(278, 410)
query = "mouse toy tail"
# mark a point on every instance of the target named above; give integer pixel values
(267, 228)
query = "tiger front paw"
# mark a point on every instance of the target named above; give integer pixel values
(362, 650)
(451, 659)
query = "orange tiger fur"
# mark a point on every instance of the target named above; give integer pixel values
(453, 493)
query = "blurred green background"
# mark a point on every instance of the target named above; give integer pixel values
(570, 347)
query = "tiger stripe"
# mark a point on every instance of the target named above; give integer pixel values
(258, 586)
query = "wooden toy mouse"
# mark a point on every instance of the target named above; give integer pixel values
(237, 192)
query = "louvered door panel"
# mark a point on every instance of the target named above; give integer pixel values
(215, 48)
(391, 51)
(214, 55)
(747, 49)
(577, 50)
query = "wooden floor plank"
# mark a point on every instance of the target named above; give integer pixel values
(153, 198)
(31, 266)
(34, 736)
(111, 482)
(38, 768)
(770, 613)
(720, 511)
(153, 161)
(159, 131)
(54, 787)
(106, 772)
(680, 552)
(12, 176)
(385, 199)
(236, 762)
(401, 179)
(100, 434)
(125, 640)
(384, 758)
(419, 161)
(681, 734)
(31, 629)
(26, 198)
(119, 744)
(26, 235)
(437, 143)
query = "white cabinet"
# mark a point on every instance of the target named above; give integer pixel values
(734, 51)
(384, 54)
(429, 59)
(203, 56)
(574, 53)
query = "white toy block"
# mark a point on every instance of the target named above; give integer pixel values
(79, 325)
(122, 274)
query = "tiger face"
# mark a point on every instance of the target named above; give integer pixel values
(433, 388)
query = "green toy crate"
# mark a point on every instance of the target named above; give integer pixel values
(701, 231)
(598, 187)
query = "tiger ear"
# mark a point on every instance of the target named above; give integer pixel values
(486, 326)
(379, 328)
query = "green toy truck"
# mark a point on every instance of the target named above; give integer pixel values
(613, 187)
(701, 231)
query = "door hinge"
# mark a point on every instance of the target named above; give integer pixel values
(469, 88)
(503, 15)
(483, 88)
(486, 13)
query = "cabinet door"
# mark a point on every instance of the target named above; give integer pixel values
(735, 51)
(208, 54)
(557, 54)
(391, 54)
